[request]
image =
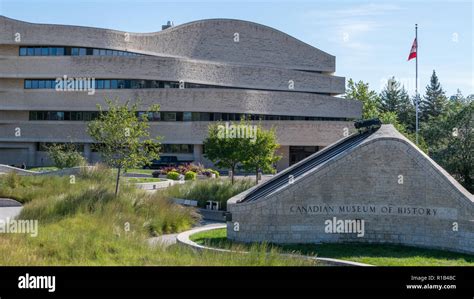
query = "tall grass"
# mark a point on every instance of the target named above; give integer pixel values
(85, 224)
(203, 190)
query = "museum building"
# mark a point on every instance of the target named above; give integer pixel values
(199, 72)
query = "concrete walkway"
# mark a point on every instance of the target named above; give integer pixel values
(183, 238)
(170, 239)
(9, 208)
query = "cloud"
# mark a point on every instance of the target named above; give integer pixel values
(348, 27)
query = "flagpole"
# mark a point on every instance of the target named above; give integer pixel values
(416, 83)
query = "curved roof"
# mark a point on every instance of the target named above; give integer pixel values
(209, 40)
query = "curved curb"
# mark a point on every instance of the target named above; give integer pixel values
(183, 239)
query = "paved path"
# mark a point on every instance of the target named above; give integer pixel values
(170, 239)
(9, 208)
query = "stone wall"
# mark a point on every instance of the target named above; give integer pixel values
(364, 183)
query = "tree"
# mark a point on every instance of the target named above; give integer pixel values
(451, 141)
(434, 101)
(122, 137)
(260, 152)
(224, 151)
(370, 100)
(394, 98)
(65, 155)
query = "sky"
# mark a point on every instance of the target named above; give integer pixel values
(370, 39)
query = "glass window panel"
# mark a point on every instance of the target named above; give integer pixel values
(41, 84)
(204, 116)
(48, 84)
(82, 52)
(75, 51)
(53, 51)
(169, 116)
(27, 84)
(96, 52)
(100, 84)
(44, 51)
(109, 53)
(34, 84)
(37, 51)
(113, 84)
(102, 52)
(107, 84)
(23, 51)
(187, 116)
(31, 51)
(60, 51)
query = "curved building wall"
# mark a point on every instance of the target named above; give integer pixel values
(254, 75)
(209, 40)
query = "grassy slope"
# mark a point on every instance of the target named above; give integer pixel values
(381, 255)
(84, 224)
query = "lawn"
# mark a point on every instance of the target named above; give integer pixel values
(83, 223)
(380, 255)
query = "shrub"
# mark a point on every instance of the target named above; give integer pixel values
(156, 174)
(65, 155)
(172, 175)
(190, 175)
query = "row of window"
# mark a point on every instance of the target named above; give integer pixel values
(174, 116)
(72, 51)
(114, 84)
(165, 148)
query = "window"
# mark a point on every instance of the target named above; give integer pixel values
(109, 53)
(31, 51)
(27, 84)
(82, 52)
(113, 84)
(60, 52)
(44, 51)
(102, 52)
(187, 116)
(75, 51)
(95, 52)
(169, 116)
(23, 51)
(37, 51)
(53, 51)
(106, 84)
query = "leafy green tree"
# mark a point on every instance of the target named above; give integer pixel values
(370, 100)
(223, 151)
(451, 141)
(122, 137)
(65, 155)
(260, 152)
(434, 102)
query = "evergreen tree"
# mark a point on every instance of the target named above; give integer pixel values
(434, 102)
(394, 98)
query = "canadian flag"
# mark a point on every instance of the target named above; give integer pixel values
(413, 50)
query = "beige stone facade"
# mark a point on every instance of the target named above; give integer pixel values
(252, 75)
(402, 195)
